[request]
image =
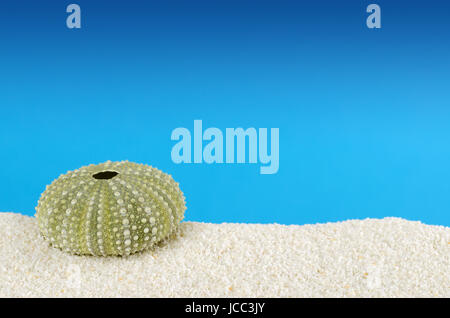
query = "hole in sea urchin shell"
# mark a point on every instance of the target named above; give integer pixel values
(105, 175)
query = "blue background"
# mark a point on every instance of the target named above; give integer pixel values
(364, 115)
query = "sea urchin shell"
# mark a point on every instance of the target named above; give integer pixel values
(113, 208)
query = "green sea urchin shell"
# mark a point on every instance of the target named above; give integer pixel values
(113, 208)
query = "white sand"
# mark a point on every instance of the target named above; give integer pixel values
(360, 258)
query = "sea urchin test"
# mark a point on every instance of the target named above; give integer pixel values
(113, 208)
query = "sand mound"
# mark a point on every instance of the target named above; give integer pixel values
(360, 258)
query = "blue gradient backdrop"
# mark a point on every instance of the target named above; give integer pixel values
(364, 115)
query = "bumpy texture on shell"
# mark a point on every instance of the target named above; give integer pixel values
(129, 208)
